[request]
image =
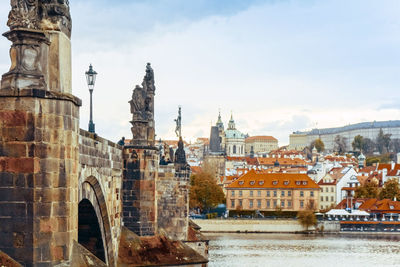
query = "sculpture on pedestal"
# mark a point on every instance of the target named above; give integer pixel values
(142, 110)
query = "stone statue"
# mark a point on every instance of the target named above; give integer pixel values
(180, 155)
(142, 109)
(122, 141)
(178, 120)
(55, 16)
(40, 15)
(24, 14)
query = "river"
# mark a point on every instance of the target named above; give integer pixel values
(285, 250)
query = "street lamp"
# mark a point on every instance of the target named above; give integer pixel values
(91, 79)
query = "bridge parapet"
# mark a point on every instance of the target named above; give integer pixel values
(100, 181)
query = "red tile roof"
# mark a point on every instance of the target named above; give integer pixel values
(260, 138)
(253, 179)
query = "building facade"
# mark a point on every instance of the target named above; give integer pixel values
(260, 144)
(272, 191)
(299, 140)
(234, 140)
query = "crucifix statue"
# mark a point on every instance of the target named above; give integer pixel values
(178, 120)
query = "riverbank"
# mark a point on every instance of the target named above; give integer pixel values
(249, 226)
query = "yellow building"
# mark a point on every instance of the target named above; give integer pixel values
(260, 144)
(270, 191)
(298, 141)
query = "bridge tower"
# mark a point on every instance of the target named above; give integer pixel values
(39, 124)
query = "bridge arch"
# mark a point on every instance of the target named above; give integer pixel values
(92, 203)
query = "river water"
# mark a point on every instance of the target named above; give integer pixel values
(285, 250)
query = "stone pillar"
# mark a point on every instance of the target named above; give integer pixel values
(39, 150)
(139, 208)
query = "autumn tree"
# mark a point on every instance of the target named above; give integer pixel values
(357, 143)
(204, 191)
(307, 217)
(390, 190)
(368, 190)
(340, 144)
(318, 144)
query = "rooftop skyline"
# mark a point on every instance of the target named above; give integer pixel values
(279, 66)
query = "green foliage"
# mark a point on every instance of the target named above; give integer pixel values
(204, 192)
(368, 146)
(390, 190)
(358, 142)
(307, 218)
(273, 213)
(378, 159)
(368, 190)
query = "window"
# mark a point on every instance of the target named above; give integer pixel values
(289, 193)
(240, 203)
(259, 203)
(274, 203)
(286, 182)
(322, 198)
(332, 199)
(275, 193)
(233, 203)
(275, 182)
(326, 198)
(311, 193)
(232, 193)
(332, 189)
(304, 182)
(301, 193)
(282, 203)
(251, 193)
(326, 189)
(298, 183)
(259, 193)
(260, 182)
(252, 182)
(251, 203)
(289, 204)
(240, 193)
(282, 193)
(241, 182)
(268, 204)
(268, 194)
(234, 149)
(301, 204)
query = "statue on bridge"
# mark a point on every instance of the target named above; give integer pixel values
(178, 120)
(142, 110)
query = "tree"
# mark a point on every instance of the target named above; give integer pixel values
(395, 145)
(383, 142)
(307, 218)
(357, 143)
(390, 190)
(319, 145)
(204, 191)
(340, 144)
(368, 146)
(368, 190)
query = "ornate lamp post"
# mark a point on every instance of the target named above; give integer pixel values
(91, 79)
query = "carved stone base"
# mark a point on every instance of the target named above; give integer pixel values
(28, 55)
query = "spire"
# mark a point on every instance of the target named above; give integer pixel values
(231, 124)
(219, 123)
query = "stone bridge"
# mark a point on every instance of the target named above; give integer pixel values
(66, 194)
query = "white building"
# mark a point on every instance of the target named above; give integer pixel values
(234, 141)
(299, 140)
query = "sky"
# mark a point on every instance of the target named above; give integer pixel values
(277, 65)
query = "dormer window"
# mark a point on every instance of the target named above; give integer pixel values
(275, 182)
(298, 183)
(286, 182)
(260, 182)
(304, 182)
(252, 182)
(241, 182)
(391, 207)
